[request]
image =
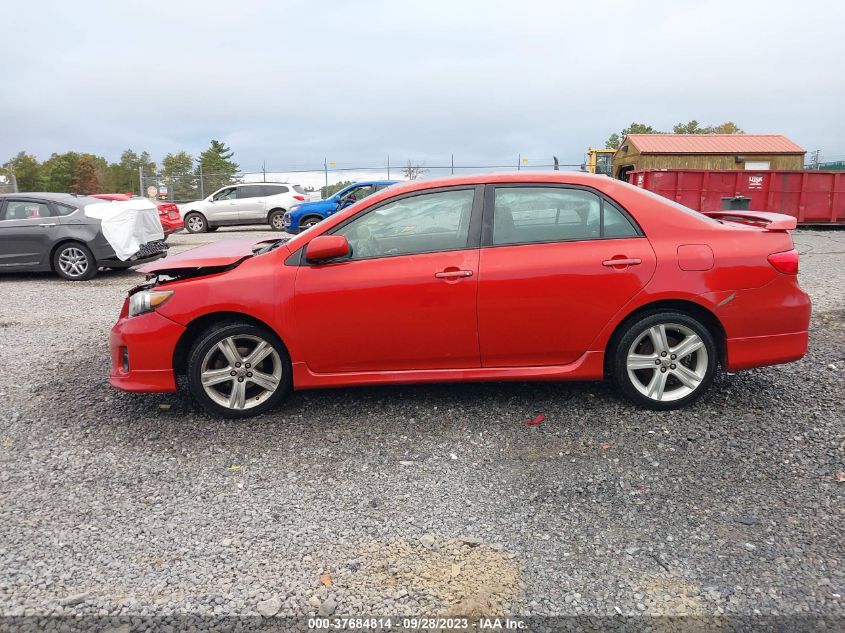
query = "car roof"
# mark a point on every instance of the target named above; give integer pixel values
(247, 184)
(68, 198)
(651, 212)
(550, 177)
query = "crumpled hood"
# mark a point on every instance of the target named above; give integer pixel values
(216, 255)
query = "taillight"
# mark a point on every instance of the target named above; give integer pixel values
(300, 198)
(785, 262)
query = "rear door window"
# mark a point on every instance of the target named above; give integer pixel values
(274, 190)
(526, 215)
(251, 191)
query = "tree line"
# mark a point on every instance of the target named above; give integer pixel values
(84, 173)
(690, 127)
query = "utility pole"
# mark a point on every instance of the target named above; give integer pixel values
(263, 171)
(453, 164)
(815, 161)
(141, 179)
(518, 161)
(326, 171)
(202, 185)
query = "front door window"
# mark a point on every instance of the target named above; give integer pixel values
(418, 224)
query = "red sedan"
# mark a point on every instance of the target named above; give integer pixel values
(168, 212)
(521, 276)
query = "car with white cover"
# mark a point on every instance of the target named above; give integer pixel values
(74, 236)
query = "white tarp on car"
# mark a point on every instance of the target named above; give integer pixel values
(127, 224)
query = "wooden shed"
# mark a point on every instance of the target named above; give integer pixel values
(706, 151)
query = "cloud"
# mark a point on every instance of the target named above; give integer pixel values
(289, 84)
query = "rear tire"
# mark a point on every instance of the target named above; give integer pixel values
(195, 222)
(276, 219)
(75, 262)
(257, 358)
(664, 360)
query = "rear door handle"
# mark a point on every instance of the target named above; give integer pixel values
(622, 261)
(453, 274)
(46, 225)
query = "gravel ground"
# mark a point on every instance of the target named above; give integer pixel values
(422, 500)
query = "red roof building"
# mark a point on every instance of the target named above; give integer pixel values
(706, 151)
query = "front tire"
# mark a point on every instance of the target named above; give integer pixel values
(195, 222)
(307, 223)
(75, 262)
(238, 370)
(664, 360)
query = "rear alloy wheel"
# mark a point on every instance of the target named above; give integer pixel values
(665, 360)
(307, 223)
(239, 370)
(74, 262)
(196, 223)
(276, 219)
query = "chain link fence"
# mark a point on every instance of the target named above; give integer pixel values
(320, 182)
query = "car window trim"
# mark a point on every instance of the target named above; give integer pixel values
(490, 202)
(473, 233)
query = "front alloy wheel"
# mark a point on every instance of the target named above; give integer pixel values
(307, 223)
(665, 360)
(239, 370)
(196, 223)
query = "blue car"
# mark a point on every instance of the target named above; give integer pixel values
(303, 216)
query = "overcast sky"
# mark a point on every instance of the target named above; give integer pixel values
(292, 82)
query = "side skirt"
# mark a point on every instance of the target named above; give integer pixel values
(590, 366)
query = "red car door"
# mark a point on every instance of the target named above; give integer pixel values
(405, 298)
(556, 263)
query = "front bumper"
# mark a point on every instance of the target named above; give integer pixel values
(142, 353)
(287, 220)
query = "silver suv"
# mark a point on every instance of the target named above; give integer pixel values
(249, 203)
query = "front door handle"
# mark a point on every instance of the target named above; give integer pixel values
(622, 261)
(46, 225)
(453, 274)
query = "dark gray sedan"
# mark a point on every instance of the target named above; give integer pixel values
(50, 231)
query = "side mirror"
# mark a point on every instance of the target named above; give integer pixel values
(325, 247)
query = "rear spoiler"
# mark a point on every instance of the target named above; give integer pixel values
(762, 219)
